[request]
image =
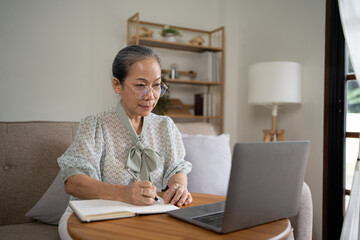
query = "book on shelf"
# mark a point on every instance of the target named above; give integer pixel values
(206, 68)
(99, 209)
(216, 66)
(204, 104)
(209, 104)
(210, 69)
(199, 104)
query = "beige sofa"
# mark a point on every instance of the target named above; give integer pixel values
(28, 153)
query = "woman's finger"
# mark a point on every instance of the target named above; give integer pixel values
(179, 192)
(189, 199)
(168, 195)
(183, 198)
(148, 192)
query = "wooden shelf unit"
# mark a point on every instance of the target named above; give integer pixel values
(215, 43)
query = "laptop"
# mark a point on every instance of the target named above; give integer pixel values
(265, 185)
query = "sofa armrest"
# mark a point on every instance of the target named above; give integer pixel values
(303, 222)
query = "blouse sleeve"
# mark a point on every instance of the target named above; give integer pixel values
(84, 154)
(175, 162)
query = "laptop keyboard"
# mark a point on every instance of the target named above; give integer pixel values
(215, 219)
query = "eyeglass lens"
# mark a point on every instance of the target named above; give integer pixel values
(142, 93)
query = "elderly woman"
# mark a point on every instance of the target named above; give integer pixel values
(128, 136)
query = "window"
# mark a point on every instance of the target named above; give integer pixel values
(340, 137)
(352, 127)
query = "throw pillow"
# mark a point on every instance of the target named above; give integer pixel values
(52, 204)
(211, 160)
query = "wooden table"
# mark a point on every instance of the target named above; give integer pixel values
(162, 226)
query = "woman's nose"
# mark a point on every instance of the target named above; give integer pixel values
(149, 95)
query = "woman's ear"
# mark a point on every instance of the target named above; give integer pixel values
(116, 85)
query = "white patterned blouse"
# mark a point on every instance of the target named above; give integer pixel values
(102, 143)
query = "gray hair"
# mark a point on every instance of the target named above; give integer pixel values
(127, 57)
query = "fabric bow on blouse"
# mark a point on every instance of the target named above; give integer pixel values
(141, 159)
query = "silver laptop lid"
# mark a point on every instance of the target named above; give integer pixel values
(265, 183)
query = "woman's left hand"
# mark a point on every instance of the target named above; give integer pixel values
(177, 194)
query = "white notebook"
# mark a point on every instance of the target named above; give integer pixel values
(99, 209)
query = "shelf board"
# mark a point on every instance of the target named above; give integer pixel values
(189, 116)
(174, 45)
(194, 82)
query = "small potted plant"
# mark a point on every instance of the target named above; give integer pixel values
(170, 33)
(163, 102)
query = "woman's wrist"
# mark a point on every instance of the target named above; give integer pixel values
(114, 192)
(176, 185)
(178, 179)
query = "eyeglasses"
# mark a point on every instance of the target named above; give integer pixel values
(141, 90)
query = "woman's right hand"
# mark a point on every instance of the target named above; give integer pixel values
(140, 193)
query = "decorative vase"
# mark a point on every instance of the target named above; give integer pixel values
(170, 37)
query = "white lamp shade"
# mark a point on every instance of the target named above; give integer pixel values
(274, 83)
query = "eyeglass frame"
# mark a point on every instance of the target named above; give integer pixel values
(148, 90)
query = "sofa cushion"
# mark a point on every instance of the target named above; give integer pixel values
(211, 160)
(29, 231)
(52, 204)
(28, 153)
(195, 128)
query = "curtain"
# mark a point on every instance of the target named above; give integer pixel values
(350, 20)
(350, 229)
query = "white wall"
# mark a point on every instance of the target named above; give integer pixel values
(55, 61)
(56, 56)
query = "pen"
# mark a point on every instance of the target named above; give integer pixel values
(137, 179)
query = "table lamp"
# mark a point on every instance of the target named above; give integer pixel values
(273, 84)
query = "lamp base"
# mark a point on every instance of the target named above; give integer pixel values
(273, 136)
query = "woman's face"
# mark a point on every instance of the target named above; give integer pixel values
(146, 72)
